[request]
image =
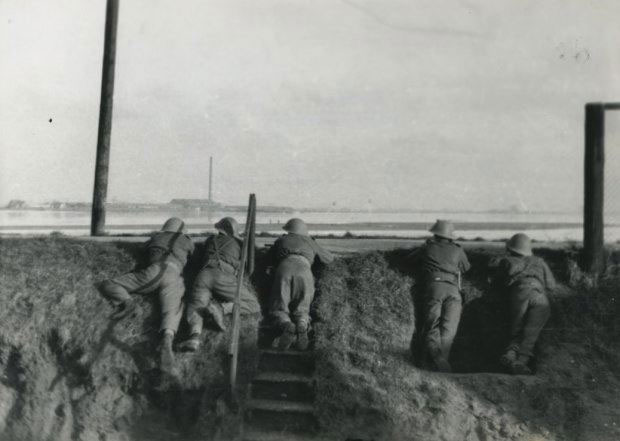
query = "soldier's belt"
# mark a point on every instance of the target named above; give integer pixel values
(442, 277)
(221, 265)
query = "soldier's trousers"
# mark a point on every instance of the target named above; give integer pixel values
(529, 312)
(443, 314)
(162, 277)
(219, 285)
(292, 291)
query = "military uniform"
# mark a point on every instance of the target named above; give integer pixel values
(167, 255)
(440, 263)
(526, 278)
(217, 280)
(293, 284)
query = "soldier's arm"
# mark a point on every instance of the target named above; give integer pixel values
(464, 263)
(414, 256)
(323, 255)
(191, 247)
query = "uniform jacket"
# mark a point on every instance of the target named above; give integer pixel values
(440, 260)
(524, 271)
(165, 245)
(295, 244)
(222, 248)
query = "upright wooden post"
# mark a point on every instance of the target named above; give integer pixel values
(233, 351)
(252, 238)
(593, 241)
(97, 223)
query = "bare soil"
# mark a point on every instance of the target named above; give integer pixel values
(67, 373)
(371, 385)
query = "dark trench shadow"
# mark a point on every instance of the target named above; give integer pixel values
(483, 329)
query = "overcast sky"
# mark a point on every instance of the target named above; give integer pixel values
(373, 104)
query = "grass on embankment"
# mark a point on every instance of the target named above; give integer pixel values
(370, 389)
(68, 373)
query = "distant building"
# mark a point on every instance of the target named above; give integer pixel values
(16, 204)
(194, 203)
(57, 205)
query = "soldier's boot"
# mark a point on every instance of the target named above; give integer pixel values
(519, 367)
(441, 363)
(165, 351)
(216, 311)
(302, 337)
(509, 358)
(288, 336)
(124, 309)
(191, 344)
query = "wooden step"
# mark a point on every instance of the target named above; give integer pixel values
(280, 416)
(283, 386)
(260, 435)
(296, 362)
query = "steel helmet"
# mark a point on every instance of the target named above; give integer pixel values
(520, 244)
(296, 226)
(174, 225)
(229, 226)
(443, 228)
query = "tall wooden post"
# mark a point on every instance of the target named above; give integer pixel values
(252, 238)
(100, 191)
(233, 351)
(593, 241)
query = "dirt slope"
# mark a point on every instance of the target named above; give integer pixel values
(369, 388)
(69, 374)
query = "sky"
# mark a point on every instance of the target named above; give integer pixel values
(369, 104)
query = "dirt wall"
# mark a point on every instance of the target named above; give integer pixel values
(68, 373)
(371, 387)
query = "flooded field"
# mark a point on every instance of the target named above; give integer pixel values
(473, 225)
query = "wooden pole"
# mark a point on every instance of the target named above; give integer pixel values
(97, 223)
(236, 325)
(593, 224)
(252, 240)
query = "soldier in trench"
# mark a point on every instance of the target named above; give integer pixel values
(167, 253)
(292, 290)
(439, 264)
(526, 279)
(216, 283)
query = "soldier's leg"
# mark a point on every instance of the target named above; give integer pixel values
(536, 317)
(515, 358)
(517, 310)
(113, 292)
(171, 300)
(200, 297)
(118, 289)
(280, 299)
(225, 290)
(450, 318)
(432, 319)
(302, 297)
(432, 325)
(249, 301)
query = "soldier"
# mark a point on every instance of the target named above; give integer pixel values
(440, 263)
(292, 290)
(167, 254)
(217, 282)
(526, 278)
